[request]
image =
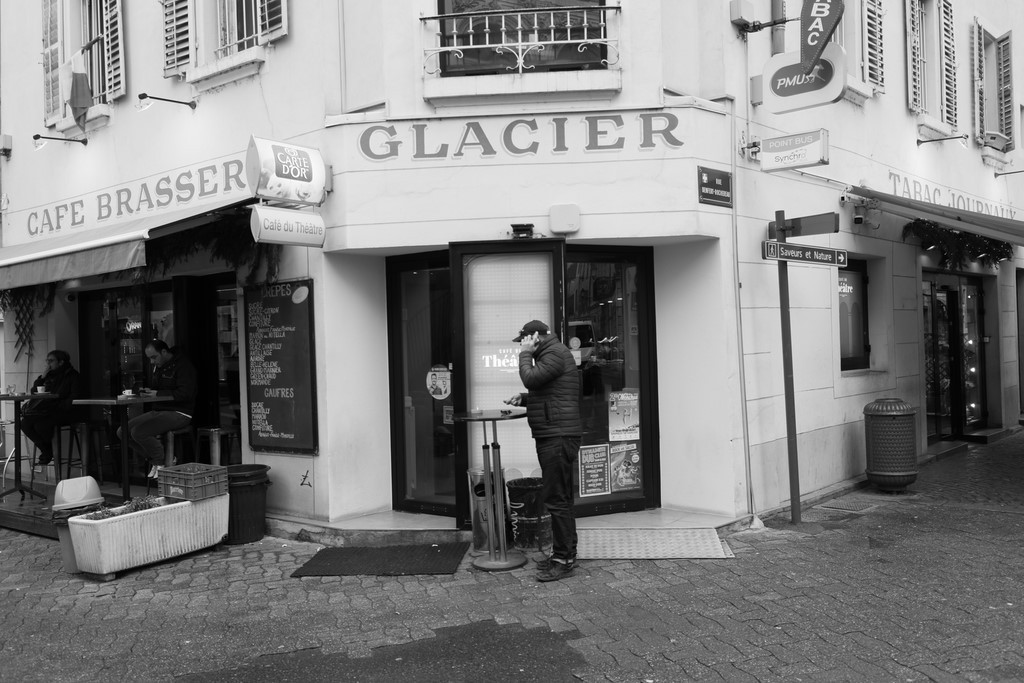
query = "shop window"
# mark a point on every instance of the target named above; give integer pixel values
(80, 79)
(236, 31)
(481, 37)
(860, 35)
(993, 89)
(854, 341)
(931, 63)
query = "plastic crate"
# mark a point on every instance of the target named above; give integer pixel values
(192, 481)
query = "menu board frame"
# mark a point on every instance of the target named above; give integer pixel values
(301, 370)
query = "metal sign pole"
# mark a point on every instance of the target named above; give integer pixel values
(787, 372)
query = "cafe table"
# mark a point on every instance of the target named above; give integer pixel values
(20, 486)
(498, 555)
(121, 404)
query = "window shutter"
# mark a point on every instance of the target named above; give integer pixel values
(915, 58)
(273, 19)
(1004, 81)
(978, 54)
(874, 72)
(949, 113)
(114, 34)
(177, 46)
(52, 58)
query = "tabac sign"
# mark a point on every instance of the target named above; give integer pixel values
(818, 21)
(787, 88)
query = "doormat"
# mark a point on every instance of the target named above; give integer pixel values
(651, 544)
(392, 560)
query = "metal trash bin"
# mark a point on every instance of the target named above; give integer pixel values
(531, 525)
(890, 435)
(479, 511)
(73, 497)
(247, 505)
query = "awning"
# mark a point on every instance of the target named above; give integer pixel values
(97, 250)
(987, 225)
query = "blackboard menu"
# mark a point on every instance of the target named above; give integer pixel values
(280, 368)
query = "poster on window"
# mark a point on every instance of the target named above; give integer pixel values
(439, 382)
(595, 471)
(623, 415)
(626, 471)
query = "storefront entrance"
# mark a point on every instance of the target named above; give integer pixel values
(954, 329)
(196, 316)
(452, 316)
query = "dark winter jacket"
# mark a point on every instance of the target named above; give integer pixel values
(177, 378)
(64, 383)
(549, 372)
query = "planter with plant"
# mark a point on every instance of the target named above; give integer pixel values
(144, 531)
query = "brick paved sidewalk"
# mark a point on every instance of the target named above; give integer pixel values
(917, 587)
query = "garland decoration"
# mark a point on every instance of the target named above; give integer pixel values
(23, 302)
(956, 247)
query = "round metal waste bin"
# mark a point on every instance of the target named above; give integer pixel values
(531, 526)
(247, 505)
(890, 434)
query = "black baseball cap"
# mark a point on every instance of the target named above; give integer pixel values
(531, 327)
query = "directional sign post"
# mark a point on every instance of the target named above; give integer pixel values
(787, 251)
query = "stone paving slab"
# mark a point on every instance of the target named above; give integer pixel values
(923, 586)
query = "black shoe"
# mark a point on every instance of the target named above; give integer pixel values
(45, 458)
(558, 570)
(545, 564)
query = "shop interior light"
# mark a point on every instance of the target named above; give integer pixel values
(40, 140)
(961, 137)
(146, 101)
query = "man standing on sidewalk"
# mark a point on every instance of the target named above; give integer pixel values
(548, 371)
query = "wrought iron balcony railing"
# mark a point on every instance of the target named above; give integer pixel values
(523, 40)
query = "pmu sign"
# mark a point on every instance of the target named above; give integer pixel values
(787, 251)
(787, 88)
(818, 21)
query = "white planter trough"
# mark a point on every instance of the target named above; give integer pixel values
(107, 546)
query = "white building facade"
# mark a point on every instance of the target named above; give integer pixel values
(610, 168)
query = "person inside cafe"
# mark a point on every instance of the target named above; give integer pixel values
(174, 376)
(40, 417)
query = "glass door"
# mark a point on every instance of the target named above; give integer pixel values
(953, 309)
(609, 328)
(420, 349)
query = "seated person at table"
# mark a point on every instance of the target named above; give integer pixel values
(174, 376)
(41, 416)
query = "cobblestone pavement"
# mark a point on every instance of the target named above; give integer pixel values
(922, 586)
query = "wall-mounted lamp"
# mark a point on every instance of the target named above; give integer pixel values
(999, 173)
(522, 231)
(40, 140)
(962, 138)
(146, 101)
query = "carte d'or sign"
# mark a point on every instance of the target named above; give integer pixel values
(787, 88)
(286, 173)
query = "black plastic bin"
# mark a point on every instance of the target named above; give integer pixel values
(531, 526)
(247, 507)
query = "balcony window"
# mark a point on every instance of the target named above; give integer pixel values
(485, 37)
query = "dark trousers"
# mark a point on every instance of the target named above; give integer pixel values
(557, 457)
(145, 431)
(39, 429)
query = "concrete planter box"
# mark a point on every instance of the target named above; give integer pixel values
(107, 546)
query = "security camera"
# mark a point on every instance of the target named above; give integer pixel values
(70, 297)
(859, 219)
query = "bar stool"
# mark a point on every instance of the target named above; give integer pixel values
(214, 437)
(95, 445)
(4, 424)
(175, 437)
(74, 441)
